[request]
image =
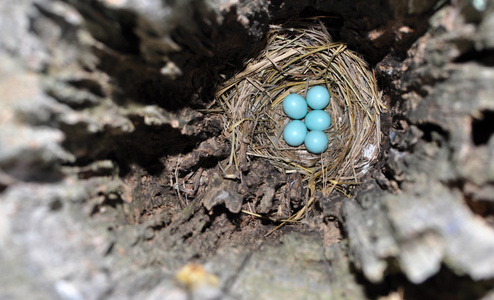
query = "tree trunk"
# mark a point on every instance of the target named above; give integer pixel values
(110, 183)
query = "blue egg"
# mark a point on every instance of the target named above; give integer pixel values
(318, 97)
(317, 120)
(295, 133)
(316, 141)
(295, 106)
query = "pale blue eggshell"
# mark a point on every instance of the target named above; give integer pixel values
(316, 141)
(295, 133)
(295, 106)
(317, 120)
(318, 97)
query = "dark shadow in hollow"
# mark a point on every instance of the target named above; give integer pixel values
(483, 129)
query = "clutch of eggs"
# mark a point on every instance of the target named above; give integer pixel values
(296, 107)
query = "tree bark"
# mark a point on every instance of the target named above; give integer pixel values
(109, 170)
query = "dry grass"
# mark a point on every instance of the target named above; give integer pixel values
(298, 56)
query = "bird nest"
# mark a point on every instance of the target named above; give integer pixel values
(295, 58)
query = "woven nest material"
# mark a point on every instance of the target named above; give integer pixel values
(297, 57)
